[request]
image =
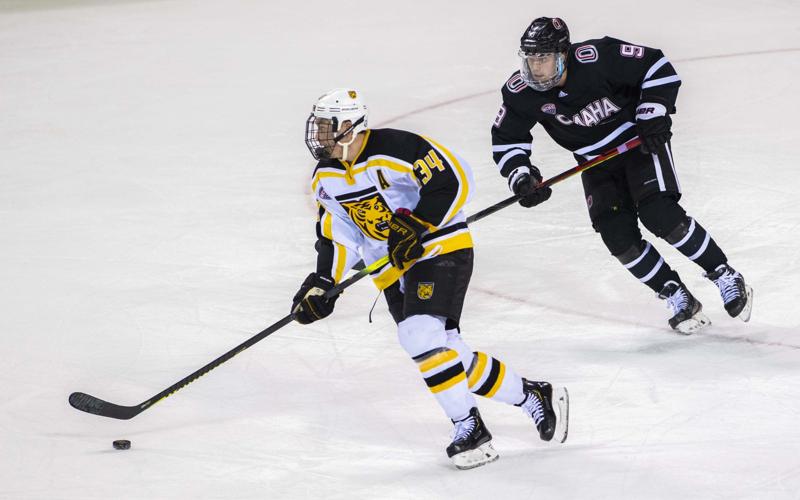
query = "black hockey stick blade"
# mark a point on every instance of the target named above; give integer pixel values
(96, 406)
(90, 404)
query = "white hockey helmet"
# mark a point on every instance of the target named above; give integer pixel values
(331, 110)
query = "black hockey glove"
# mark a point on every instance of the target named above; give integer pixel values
(652, 125)
(405, 234)
(308, 304)
(523, 181)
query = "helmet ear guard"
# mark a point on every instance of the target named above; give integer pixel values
(352, 128)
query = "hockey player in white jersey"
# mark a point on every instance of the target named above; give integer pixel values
(386, 191)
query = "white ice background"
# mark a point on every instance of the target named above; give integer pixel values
(155, 212)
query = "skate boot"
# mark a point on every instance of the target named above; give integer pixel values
(538, 405)
(472, 442)
(736, 294)
(687, 311)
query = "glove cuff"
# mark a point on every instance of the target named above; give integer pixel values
(650, 110)
(420, 225)
(319, 281)
(516, 174)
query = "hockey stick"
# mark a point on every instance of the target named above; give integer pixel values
(90, 404)
(631, 144)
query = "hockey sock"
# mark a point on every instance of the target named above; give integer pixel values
(424, 338)
(445, 377)
(646, 264)
(493, 379)
(693, 241)
(486, 375)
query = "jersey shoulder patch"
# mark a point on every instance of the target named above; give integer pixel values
(515, 84)
(588, 51)
(519, 98)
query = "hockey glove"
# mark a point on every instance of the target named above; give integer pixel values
(524, 181)
(308, 304)
(405, 234)
(652, 125)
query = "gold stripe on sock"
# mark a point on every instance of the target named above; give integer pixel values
(437, 359)
(477, 373)
(499, 382)
(449, 383)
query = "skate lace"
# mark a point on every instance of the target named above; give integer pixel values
(678, 301)
(463, 428)
(727, 286)
(534, 408)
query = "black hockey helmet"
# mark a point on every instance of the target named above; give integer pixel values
(545, 35)
(543, 49)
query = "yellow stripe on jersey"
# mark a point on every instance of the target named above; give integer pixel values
(349, 175)
(499, 381)
(458, 241)
(385, 278)
(341, 259)
(385, 163)
(449, 383)
(438, 359)
(477, 373)
(463, 182)
(321, 175)
(327, 225)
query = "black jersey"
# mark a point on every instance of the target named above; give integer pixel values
(594, 111)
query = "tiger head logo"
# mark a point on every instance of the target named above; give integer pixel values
(425, 290)
(371, 216)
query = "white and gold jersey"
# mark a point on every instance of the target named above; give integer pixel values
(394, 169)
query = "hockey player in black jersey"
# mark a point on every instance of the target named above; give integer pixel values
(592, 96)
(390, 192)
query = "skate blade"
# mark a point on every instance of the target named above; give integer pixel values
(693, 324)
(481, 455)
(748, 306)
(562, 424)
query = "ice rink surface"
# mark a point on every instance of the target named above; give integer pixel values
(155, 212)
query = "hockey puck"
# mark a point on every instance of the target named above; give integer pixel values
(121, 444)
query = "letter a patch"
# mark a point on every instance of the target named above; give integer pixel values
(382, 180)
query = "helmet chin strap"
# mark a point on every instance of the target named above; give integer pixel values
(345, 146)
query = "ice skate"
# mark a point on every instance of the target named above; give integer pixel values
(472, 443)
(538, 405)
(687, 311)
(736, 294)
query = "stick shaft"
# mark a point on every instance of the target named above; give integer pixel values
(631, 144)
(91, 404)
